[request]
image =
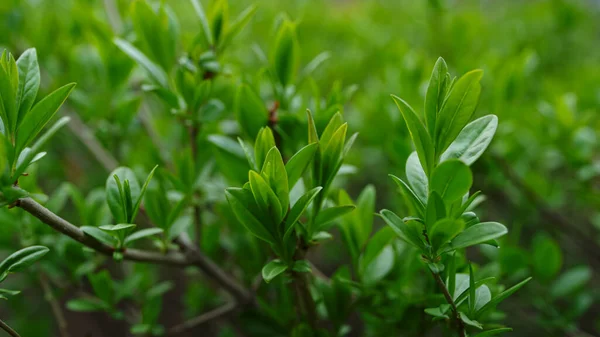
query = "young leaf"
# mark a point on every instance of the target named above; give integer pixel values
(407, 233)
(138, 202)
(285, 56)
(239, 199)
(21, 259)
(458, 109)
(29, 82)
(436, 210)
(416, 177)
(477, 234)
(452, 180)
(328, 215)
(237, 25)
(86, 304)
(203, 21)
(502, 296)
(273, 269)
(444, 230)
(493, 332)
(266, 198)
(142, 234)
(299, 162)
(156, 73)
(410, 196)
(299, 208)
(265, 141)
(436, 93)
(40, 115)
(418, 133)
(100, 235)
(115, 195)
(472, 140)
(274, 172)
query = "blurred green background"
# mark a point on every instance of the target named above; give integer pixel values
(542, 79)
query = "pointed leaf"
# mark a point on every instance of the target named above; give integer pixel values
(472, 140)
(273, 269)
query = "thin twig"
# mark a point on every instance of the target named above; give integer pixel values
(460, 326)
(196, 322)
(86, 136)
(192, 257)
(8, 329)
(57, 311)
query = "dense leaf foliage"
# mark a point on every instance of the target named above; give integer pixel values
(224, 168)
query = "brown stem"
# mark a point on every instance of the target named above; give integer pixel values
(192, 256)
(54, 305)
(302, 289)
(8, 329)
(460, 326)
(196, 322)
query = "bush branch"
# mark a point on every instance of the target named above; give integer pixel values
(198, 321)
(8, 329)
(460, 326)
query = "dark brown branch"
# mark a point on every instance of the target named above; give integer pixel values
(192, 257)
(196, 322)
(8, 329)
(460, 326)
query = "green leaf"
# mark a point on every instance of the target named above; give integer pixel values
(249, 152)
(265, 141)
(138, 202)
(472, 290)
(100, 235)
(40, 115)
(251, 112)
(266, 198)
(418, 134)
(273, 269)
(117, 228)
(477, 234)
(546, 257)
(8, 90)
(29, 82)
(274, 172)
(299, 162)
(443, 231)
(203, 21)
(331, 154)
(21, 259)
(299, 208)
(142, 234)
(330, 214)
(378, 258)
(416, 177)
(156, 73)
(482, 296)
(237, 25)
(452, 179)
(493, 332)
(411, 198)
(469, 321)
(115, 196)
(409, 234)
(301, 266)
(102, 283)
(4, 293)
(87, 305)
(439, 312)
(435, 210)
(570, 281)
(473, 140)
(239, 199)
(436, 93)
(501, 297)
(458, 109)
(285, 57)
